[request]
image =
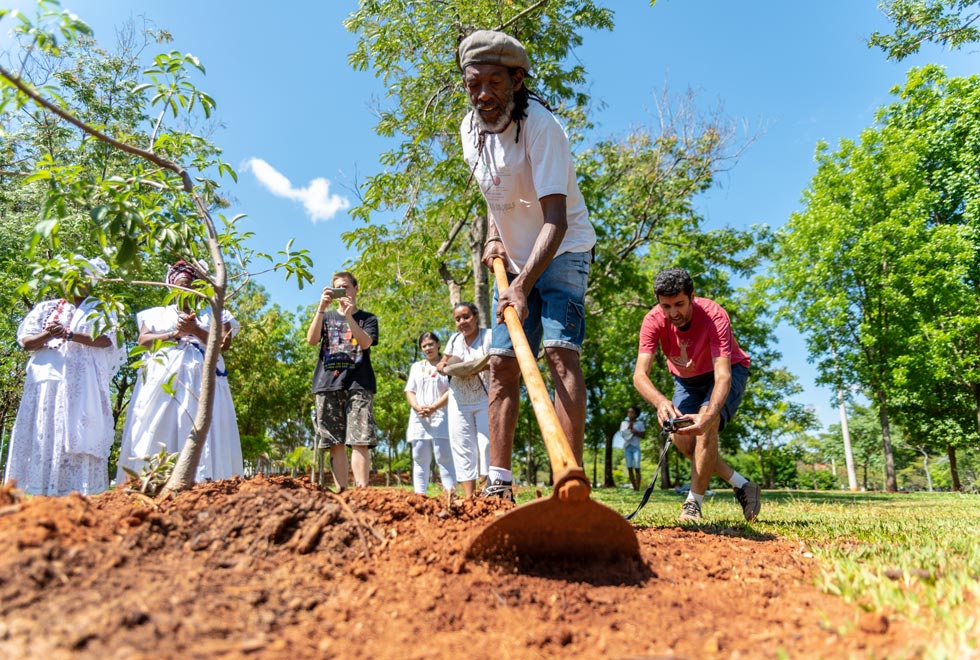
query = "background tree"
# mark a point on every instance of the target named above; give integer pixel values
(882, 265)
(425, 222)
(951, 23)
(138, 197)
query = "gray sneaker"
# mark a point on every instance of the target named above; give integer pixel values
(748, 497)
(690, 511)
(499, 488)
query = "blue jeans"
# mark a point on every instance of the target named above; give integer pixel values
(692, 394)
(555, 307)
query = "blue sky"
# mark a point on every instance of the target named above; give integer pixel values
(296, 121)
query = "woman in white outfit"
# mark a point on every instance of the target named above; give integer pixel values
(164, 402)
(64, 428)
(469, 429)
(427, 392)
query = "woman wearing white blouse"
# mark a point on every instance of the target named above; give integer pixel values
(469, 427)
(427, 392)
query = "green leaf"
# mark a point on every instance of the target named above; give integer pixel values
(39, 175)
(98, 214)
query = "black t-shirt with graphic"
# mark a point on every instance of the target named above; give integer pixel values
(342, 364)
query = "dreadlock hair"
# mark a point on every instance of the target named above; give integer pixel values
(522, 98)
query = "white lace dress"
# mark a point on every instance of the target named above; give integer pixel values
(157, 418)
(64, 429)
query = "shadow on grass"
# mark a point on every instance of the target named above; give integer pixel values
(728, 530)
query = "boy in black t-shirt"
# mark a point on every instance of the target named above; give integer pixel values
(343, 380)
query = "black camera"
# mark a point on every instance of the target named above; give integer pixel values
(674, 424)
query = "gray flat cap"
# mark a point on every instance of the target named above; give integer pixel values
(491, 47)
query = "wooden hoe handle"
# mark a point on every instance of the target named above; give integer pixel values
(559, 451)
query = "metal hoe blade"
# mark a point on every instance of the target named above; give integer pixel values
(567, 524)
(558, 527)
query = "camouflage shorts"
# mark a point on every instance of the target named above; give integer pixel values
(345, 417)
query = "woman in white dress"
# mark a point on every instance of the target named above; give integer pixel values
(164, 402)
(427, 392)
(469, 427)
(64, 428)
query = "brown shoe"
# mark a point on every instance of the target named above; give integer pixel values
(690, 511)
(748, 497)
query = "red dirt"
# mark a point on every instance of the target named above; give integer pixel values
(273, 568)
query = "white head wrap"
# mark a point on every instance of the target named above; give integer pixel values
(95, 268)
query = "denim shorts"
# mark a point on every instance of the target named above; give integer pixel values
(555, 307)
(632, 456)
(692, 394)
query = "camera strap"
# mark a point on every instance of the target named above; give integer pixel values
(665, 437)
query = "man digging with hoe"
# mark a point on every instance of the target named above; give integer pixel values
(539, 227)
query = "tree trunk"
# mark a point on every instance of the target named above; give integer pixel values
(954, 473)
(762, 465)
(183, 474)
(891, 482)
(481, 277)
(848, 453)
(925, 466)
(3, 444)
(976, 397)
(771, 479)
(608, 481)
(122, 387)
(388, 476)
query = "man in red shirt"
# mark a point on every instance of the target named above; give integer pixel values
(710, 372)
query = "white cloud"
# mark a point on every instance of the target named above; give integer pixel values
(316, 198)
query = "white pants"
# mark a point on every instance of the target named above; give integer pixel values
(422, 461)
(469, 434)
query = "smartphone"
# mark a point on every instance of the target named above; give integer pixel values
(337, 293)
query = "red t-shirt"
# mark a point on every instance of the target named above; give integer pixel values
(690, 353)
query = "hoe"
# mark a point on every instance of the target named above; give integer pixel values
(567, 524)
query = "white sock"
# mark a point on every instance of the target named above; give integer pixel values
(694, 496)
(500, 473)
(737, 480)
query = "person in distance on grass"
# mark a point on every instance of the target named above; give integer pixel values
(710, 372)
(633, 431)
(469, 431)
(539, 226)
(344, 382)
(168, 386)
(427, 392)
(63, 432)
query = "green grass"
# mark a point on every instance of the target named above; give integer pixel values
(915, 556)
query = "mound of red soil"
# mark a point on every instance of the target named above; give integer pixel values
(273, 568)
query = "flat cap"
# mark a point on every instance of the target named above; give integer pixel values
(491, 47)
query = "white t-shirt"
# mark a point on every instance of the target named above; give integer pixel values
(428, 385)
(629, 438)
(514, 176)
(470, 391)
